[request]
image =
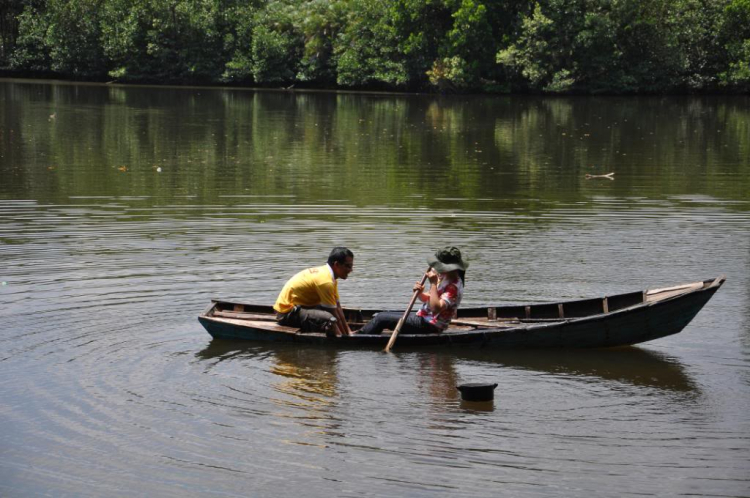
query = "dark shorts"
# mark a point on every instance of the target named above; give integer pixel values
(308, 319)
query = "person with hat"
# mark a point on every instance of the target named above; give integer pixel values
(310, 299)
(446, 276)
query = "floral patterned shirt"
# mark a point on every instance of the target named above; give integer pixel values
(450, 292)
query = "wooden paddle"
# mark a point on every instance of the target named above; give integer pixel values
(406, 313)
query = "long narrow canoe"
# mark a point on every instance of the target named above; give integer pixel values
(610, 321)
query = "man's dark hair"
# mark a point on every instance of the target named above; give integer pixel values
(339, 254)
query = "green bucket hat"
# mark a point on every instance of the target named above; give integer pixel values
(447, 259)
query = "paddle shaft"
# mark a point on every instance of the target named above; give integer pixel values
(406, 313)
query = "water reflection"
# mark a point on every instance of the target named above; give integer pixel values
(218, 351)
(437, 377)
(309, 371)
(477, 406)
(302, 378)
(307, 374)
(634, 366)
(382, 150)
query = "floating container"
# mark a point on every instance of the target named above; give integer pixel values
(477, 391)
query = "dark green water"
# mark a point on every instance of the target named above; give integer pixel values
(124, 210)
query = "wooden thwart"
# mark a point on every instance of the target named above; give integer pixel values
(239, 315)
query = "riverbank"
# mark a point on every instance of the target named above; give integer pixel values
(7, 74)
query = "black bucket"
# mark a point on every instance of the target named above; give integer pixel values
(477, 391)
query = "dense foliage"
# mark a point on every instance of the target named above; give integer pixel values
(570, 46)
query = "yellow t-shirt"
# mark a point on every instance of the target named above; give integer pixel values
(311, 287)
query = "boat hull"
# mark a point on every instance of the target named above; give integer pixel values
(632, 324)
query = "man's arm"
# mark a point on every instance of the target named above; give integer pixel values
(330, 301)
(341, 320)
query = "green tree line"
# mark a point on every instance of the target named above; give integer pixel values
(550, 46)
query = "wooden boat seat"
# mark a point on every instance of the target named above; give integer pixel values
(262, 324)
(240, 315)
(655, 295)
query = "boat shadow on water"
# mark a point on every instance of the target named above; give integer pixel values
(628, 365)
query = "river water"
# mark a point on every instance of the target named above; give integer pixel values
(124, 210)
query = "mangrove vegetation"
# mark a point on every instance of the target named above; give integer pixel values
(509, 46)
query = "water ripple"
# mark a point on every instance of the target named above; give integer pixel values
(103, 298)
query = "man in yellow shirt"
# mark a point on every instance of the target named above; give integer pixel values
(310, 299)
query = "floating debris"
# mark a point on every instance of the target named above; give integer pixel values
(608, 176)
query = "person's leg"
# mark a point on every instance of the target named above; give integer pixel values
(389, 320)
(381, 321)
(290, 319)
(418, 326)
(308, 319)
(316, 320)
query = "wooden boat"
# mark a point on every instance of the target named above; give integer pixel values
(610, 321)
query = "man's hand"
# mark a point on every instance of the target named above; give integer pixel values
(341, 321)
